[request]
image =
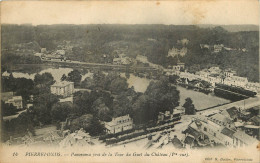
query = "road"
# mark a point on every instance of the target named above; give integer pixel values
(5, 118)
(243, 105)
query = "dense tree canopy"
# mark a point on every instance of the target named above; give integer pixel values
(74, 76)
(7, 109)
(60, 111)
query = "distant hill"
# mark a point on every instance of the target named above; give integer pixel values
(233, 28)
(89, 43)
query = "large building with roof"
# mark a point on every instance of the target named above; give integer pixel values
(220, 129)
(119, 124)
(63, 88)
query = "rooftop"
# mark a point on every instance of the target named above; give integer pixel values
(115, 120)
(228, 132)
(220, 119)
(244, 137)
(62, 84)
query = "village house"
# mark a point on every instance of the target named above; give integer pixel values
(231, 113)
(236, 81)
(168, 117)
(229, 73)
(221, 130)
(122, 60)
(43, 50)
(9, 98)
(63, 88)
(174, 52)
(181, 65)
(119, 124)
(204, 46)
(253, 86)
(218, 48)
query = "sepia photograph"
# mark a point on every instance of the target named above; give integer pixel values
(130, 81)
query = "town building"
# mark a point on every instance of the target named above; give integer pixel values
(174, 52)
(63, 88)
(9, 98)
(221, 130)
(204, 46)
(231, 113)
(253, 86)
(119, 124)
(229, 73)
(181, 65)
(236, 81)
(122, 60)
(168, 117)
(218, 48)
(43, 50)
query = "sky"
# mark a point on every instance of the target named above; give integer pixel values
(131, 12)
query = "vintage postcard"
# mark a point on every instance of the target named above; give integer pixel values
(130, 81)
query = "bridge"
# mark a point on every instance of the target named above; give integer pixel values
(242, 105)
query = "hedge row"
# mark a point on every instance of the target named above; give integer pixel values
(238, 90)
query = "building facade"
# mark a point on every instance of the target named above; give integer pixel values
(119, 124)
(64, 88)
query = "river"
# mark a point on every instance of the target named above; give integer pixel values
(200, 100)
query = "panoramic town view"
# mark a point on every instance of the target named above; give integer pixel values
(140, 86)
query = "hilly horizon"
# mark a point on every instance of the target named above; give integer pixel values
(229, 28)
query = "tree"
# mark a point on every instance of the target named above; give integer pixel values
(99, 80)
(122, 104)
(101, 110)
(96, 128)
(44, 80)
(173, 78)
(189, 107)
(140, 110)
(74, 76)
(84, 121)
(84, 100)
(118, 85)
(162, 95)
(60, 111)
(8, 109)
(43, 104)
(88, 83)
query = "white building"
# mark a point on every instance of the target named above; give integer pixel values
(63, 88)
(229, 73)
(253, 86)
(218, 48)
(9, 98)
(236, 81)
(17, 101)
(119, 124)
